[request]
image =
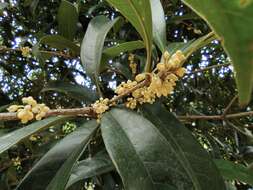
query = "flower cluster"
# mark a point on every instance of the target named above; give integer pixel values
(132, 64)
(100, 106)
(162, 81)
(31, 109)
(25, 51)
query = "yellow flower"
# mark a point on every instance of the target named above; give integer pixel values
(29, 100)
(100, 106)
(13, 108)
(140, 77)
(166, 56)
(131, 103)
(25, 51)
(180, 72)
(161, 67)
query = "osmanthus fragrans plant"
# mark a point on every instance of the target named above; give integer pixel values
(136, 137)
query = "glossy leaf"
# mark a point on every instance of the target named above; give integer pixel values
(97, 165)
(60, 43)
(189, 162)
(123, 47)
(93, 43)
(16, 136)
(191, 46)
(138, 13)
(55, 166)
(159, 24)
(67, 19)
(123, 151)
(75, 91)
(232, 22)
(181, 164)
(232, 171)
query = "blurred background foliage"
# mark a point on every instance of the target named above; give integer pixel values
(25, 22)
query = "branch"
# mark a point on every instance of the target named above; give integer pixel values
(53, 53)
(85, 111)
(208, 68)
(215, 117)
(229, 106)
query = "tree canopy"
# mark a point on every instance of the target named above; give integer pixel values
(126, 94)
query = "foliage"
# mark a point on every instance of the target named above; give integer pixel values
(96, 55)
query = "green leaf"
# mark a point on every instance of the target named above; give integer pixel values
(232, 22)
(60, 43)
(93, 43)
(159, 24)
(67, 19)
(160, 153)
(138, 12)
(191, 165)
(232, 171)
(75, 91)
(55, 166)
(123, 47)
(191, 46)
(97, 165)
(14, 137)
(123, 151)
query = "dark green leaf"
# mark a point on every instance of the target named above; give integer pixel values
(122, 150)
(123, 47)
(93, 43)
(232, 171)
(138, 12)
(97, 165)
(55, 167)
(189, 162)
(136, 144)
(67, 19)
(232, 22)
(14, 137)
(159, 24)
(75, 91)
(60, 43)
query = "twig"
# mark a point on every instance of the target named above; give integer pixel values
(208, 68)
(54, 53)
(215, 117)
(229, 106)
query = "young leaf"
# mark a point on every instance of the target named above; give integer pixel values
(232, 22)
(14, 137)
(134, 144)
(159, 24)
(93, 43)
(97, 165)
(67, 19)
(123, 47)
(55, 166)
(191, 161)
(232, 171)
(138, 12)
(75, 91)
